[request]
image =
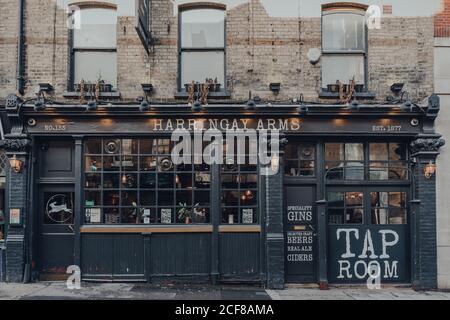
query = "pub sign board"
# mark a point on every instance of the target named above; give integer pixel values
(139, 125)
(361, 253)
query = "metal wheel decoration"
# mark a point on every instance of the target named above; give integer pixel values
(112, 146)
(59, 208)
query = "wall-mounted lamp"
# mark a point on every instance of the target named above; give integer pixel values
(39, 104)
(91, 106)
(275, 87)
(251, 104)
(396, 88)
(144, 106)
(429, 170)
(16, 164)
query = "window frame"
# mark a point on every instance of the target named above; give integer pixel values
(199, 6)
(72, 50)
(138, 189)
(366, 167)
(345, 8)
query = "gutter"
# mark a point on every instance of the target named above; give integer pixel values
(20, 84)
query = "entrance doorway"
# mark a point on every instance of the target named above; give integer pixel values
(300, 221)
(368, 235)
(56, 232)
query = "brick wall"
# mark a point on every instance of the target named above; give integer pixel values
(260, 50)
(8, 44)
(442, 21)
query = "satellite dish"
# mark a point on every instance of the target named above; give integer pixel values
(314, 55)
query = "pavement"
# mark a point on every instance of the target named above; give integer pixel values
(174, 291)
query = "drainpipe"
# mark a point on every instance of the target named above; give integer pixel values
(20, 50)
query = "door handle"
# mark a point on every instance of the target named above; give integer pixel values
(71, 228)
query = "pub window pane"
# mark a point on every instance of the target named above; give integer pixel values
(148, 198)
(129, 198)
(184, 198)
(183, 180)
(353, 199)
(345, 207)
(230, 215)
(342, 68)
(379, 171)
(378, 152)
(354, 171)
(343, 31)
(202, 28)
(111, 215)
(93, 164)
(248, 198)
(148, 180)
(147, 146)
(354, 151)
(129, 215)
(129, 146)
(129, 181)
(93, 181)
(299, 162)
(129, 163)
(92, 198)
(388, 208)
(230, 198)
(93, 146)
(110, 198)
(202, 180)
(197, 66)
(92, 65)
(165, 198)
(397, 151)
(354, 215)
(143, 188)
(111, 180)
(334, 151)
(147, 163)
(111, 163)
(398, 171)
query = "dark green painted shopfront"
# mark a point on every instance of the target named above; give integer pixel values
(353, 196)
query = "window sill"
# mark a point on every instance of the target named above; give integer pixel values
(335, 95)
(212, 95)
(76, 95)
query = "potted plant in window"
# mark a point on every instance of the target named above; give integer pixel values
(185, 213)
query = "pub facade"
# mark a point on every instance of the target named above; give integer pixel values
(347, 194)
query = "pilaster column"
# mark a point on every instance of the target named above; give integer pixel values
(16, 202)
(274, 223)
(424, 151)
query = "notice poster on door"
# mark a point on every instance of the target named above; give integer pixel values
(14, 216)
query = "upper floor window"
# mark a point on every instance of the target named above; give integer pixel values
(343, 46)
(202, 45)
(94, 50)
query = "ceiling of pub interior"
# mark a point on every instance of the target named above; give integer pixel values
(294, 8)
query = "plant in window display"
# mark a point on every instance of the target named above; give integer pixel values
(186, 213)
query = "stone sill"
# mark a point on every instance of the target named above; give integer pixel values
(335, 95)
(76, 95)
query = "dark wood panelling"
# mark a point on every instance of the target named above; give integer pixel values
(97, 254)
(180, 254)
(239, 254)
(128, 255)
(56, 159)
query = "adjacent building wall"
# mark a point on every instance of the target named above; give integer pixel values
(442, 85)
